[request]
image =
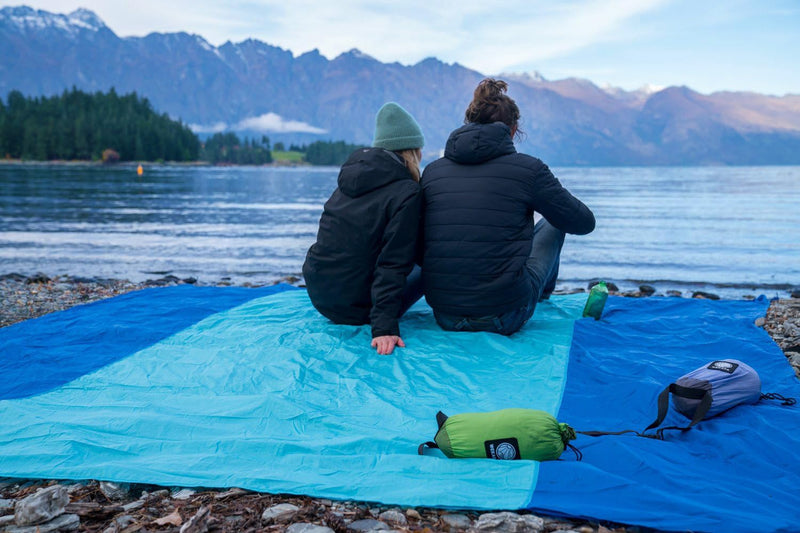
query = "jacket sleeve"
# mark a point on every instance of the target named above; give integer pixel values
(558, 206)
(395, 261)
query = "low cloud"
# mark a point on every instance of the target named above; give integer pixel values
(272, 122)
(208, 128)
(266, 123)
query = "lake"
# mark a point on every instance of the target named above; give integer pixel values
(732, 230)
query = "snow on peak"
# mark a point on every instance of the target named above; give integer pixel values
(25, 18)
(528, 78)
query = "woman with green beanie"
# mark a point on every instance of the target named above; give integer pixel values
(358, 270)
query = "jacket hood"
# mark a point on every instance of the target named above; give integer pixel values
(473, 144)
(368, 169)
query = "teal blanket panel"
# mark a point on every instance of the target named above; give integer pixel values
(270, 396)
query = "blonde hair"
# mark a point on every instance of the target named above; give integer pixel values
(412, 158)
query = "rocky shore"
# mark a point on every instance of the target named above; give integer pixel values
(30, 506)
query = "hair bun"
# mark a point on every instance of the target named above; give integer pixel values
(490, 89)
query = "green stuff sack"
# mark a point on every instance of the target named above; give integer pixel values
(506, 434)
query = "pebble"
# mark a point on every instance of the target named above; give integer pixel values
(647, 290)
(674, 293)
(6, 505)
(507, 522)
(64, 522)
(368, 524)
(184, 494)
(795, 293)
(705, 295)
(414, 514)
(760, 321)
(41, 506)
(114, 491)
(280, 514)
(308, 528)
(138, 504)
(456, 521)
(394, 517)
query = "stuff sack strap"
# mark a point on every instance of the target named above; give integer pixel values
(684, 392)
(441, 418)
(429, 444)
(776, 396)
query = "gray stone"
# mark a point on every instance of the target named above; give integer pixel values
(457, 521)
(507, 522)
(394, 517)
(368, 524)
(114, 491)
(308, 528)
(184, 494)
(325, 502)
(124, 520)
(795, 293)
(760, 321)
(64, 522)
(138, 504)
(6, 505)
(157, 495)
(41, 506)
(413, 513)
(674, 293)
(558, 524)
(5, 520)
(647, 290)
(703, 295)
(280, 514)
(794, 358)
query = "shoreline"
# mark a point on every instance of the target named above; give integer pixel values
(113, 507)
(198, 163)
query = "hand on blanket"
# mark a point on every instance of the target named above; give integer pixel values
(385, 343)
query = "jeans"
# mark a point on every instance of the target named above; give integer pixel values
(542, 270)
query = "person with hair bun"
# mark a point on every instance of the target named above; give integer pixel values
(359, 271)
(485, 263)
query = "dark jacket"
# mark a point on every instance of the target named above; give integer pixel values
(478, 209)
(357, 269)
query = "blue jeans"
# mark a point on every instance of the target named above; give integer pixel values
(542, 269)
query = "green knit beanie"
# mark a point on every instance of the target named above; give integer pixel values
(396, 129)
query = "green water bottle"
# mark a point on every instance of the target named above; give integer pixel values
(596, 301)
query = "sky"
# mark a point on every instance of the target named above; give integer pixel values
(749, 45)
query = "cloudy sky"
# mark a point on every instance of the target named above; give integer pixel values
(705, 44)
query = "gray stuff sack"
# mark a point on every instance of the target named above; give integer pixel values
(710, 390)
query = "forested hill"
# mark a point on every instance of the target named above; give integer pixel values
(77, 125)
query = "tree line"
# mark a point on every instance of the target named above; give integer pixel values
(323, 152)
(106, 126)
(79, 125)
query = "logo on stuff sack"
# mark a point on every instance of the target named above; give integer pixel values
(504, 449)
(723, 366)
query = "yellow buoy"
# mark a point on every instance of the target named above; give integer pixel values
(139, 170)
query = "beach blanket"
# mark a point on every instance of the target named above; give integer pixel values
(221, 387)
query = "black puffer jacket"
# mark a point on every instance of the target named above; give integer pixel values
(478, 210)
(366, 245)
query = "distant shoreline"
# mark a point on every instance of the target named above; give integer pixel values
(91, 163)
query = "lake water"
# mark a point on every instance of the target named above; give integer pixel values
(733, 230)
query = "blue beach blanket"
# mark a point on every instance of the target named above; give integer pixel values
(220, 387)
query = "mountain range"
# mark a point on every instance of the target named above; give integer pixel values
(254, 87)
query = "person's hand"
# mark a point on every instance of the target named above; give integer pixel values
(385, 343)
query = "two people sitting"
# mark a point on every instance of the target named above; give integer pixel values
(462, 234)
